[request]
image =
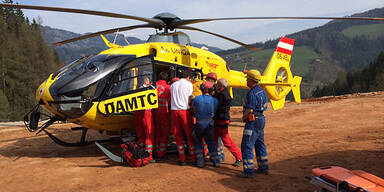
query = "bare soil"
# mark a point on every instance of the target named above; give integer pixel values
(346, 131)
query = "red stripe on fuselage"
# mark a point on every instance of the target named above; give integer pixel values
(286, 40)
(282, 50)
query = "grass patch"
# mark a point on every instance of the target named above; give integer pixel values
(301, 60)
(368, 30)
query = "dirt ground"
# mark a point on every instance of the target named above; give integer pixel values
(345, 131)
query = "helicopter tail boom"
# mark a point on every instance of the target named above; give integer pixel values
(277, 79)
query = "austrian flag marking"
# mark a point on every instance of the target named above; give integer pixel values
(41, 91)
(285, 46)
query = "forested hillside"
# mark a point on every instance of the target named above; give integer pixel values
(25, 61)
(369, 79)
(321, 53)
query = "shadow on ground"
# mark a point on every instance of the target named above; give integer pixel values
(288, 175)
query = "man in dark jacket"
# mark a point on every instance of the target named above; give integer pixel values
(222, 118)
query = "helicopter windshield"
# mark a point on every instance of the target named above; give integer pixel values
(84, 79)
(79, 76)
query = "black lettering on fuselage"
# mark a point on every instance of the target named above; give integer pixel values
(109, 106)
(164, 49)
(282, 56)
(141, 97)
(131, 104)
(119, 107)
(149, 99)
(180, 52)
(185, 52)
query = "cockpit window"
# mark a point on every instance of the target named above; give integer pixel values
(136, 75)
(72, 64)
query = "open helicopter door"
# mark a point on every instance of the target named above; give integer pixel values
(130, 89)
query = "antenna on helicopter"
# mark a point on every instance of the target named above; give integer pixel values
(245, 66)
(117, 33)
(126, 40)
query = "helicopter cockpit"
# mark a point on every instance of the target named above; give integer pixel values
(83, 81)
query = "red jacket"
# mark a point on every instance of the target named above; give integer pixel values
(163, 93)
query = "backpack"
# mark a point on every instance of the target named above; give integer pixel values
(134, 155)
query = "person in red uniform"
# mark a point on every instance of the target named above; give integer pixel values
(162, 115)
(144, 125)
(181, 95)
(174, 80)
(222, 118)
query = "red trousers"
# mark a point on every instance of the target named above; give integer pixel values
(161, 130)
(221, 130)
(181, 121)
(144, 129)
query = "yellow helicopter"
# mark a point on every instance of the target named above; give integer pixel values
(102, 91)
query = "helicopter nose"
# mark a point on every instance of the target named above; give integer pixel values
(42, 93)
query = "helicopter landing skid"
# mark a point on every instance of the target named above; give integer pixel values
(82, 141)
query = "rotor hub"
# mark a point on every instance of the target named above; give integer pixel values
(168, 19)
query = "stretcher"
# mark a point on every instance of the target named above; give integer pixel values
(338, 179)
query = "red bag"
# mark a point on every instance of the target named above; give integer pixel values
(134, 155)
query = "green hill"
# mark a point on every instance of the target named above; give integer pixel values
(321, 53)
(364, 30)
(369, 79)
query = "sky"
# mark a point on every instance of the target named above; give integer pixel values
(245, 31)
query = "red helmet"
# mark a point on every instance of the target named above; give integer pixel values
(211, 75)
(206, 87)
(174, 80)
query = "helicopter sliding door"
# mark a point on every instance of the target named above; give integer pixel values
(130, 89)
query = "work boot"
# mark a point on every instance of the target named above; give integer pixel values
(181, 163)
(243, 175)
(261, 171)
(237, 163)
(152, 161)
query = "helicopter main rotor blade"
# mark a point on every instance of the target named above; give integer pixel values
(218, 35)
(193, 21)
(103, 32)
(156, 22)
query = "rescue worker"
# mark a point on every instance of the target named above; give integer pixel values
(253, 135)
(174, 80)
(222, 118)
(171, 136)
(162, 115)
(181, 95)
(197, 81)
(204, 107)
(145, 126)
(212, 77)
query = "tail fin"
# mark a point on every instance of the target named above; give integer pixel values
(277, 79)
